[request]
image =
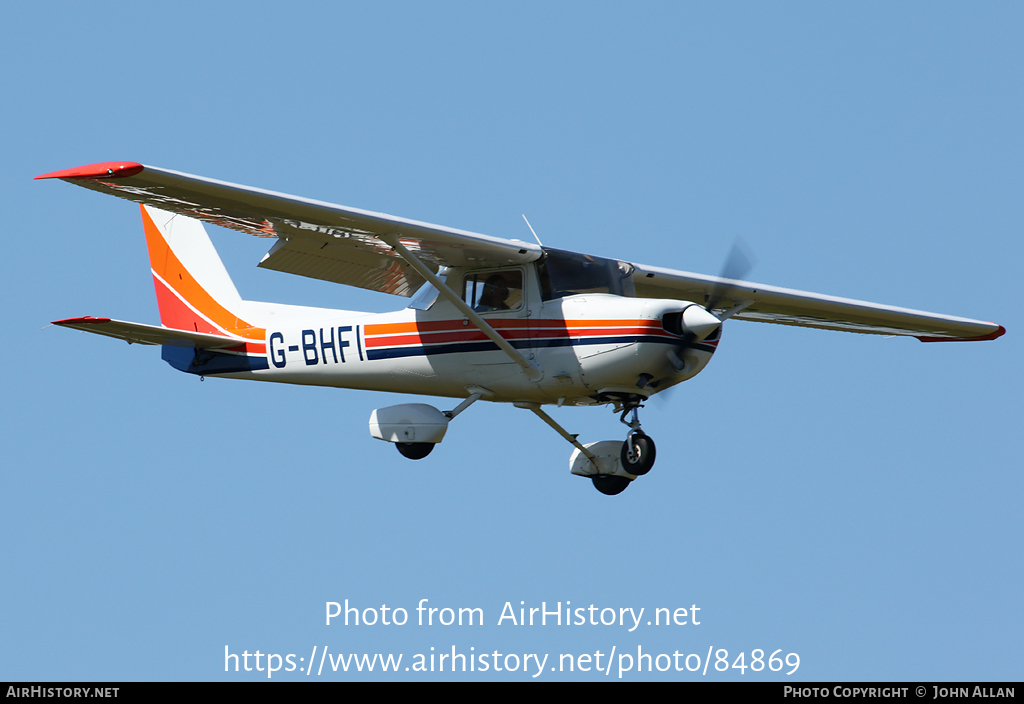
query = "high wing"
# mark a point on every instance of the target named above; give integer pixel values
(344, 245)
(315, 239)
(772, 304)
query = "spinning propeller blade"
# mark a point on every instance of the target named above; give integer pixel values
(701, 322)
(737, 265)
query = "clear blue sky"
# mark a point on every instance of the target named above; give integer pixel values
(852, 499)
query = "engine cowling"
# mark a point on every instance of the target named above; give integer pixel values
(628, 348)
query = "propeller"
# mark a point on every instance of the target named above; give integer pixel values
(697, 322)
(737, 265)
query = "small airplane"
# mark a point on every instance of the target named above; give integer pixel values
(489, 318)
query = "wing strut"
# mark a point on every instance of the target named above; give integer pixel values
(532, 373)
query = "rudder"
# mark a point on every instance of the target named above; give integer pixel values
(193, 289)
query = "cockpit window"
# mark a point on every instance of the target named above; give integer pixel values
(488, 291)
(567, 273)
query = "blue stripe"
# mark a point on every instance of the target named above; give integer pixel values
(208, 362)
(488, 346)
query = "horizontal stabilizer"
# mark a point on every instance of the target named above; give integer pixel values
(137, 333)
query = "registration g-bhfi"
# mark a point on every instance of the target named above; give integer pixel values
(494, 319)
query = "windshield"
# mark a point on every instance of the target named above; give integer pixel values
(565, 273)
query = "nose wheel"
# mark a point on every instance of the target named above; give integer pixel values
(610, 465)
(638, 452)
(636, 455)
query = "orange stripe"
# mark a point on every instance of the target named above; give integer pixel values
(538, 325)
(390, 328)
(164, 263)
(474, 334)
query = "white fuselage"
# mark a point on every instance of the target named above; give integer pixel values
(585, 345)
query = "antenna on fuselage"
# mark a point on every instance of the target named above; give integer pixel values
(532, 230)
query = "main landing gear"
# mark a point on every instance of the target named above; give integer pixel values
(415, 428)
(610, 484)
(610, 465)
(415, 450)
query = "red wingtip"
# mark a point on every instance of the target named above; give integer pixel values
(86, 319)
(991, 336)
(108, 169)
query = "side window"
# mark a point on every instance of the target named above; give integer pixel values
(494, 290)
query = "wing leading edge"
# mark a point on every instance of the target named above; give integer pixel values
(314, 238)
(783, 306)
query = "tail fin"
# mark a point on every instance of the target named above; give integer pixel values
(193, 289)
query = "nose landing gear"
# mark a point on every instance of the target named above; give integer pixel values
(610, 465)
(638, 452)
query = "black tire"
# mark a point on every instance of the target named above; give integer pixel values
(610, 484)
(414, 450)
(640, 461)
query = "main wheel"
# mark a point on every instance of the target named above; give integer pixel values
(610, 484)
(637, 454)
(414, 450)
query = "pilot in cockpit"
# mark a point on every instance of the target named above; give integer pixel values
(494, 296)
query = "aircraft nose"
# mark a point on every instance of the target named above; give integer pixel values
(700, 322)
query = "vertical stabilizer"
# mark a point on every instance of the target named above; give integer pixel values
(193, 289)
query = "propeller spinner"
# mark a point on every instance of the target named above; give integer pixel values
(697, 323)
